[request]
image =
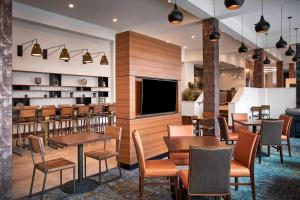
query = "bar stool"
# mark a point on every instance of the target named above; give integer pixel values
(82, 118)
(26, 118)
(112, 113)
(97, 117)
(47, 118)
(66, 119)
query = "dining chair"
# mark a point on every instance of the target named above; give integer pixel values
(66, 120)
(82, 118)
(48, 114)
(226, 135)
(97, 117)
(36, 146)
(256, 112)
(104, 154)
(271, 131)
(244, 157)
(285, 136)
(265, 111)
(151, 169)
(177, 131)
(205, 177)
(237, 126)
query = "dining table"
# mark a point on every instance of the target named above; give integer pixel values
(200, 123)
(82, 184)
(254, 123)
(181, 144)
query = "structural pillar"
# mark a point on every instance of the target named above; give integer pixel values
(298, 77)
(5, 99)
(291, 70)
(258, 71)
(279, 74)
(211, 73)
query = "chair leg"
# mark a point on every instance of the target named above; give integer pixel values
(141, 188)
(180, 192)
(74, 180)
(60, 178)
(236, 181)
(99, 172)
(106, 165)
(268, 151)
(253, 186)
(260, 149)
(20, 142)
(44, 183)
(85, 166)
(32, 181)
(119, 166)
(289, 147)
(176, 187)
(281, 155)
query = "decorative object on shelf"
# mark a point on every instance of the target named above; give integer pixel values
(83, 95)
(290, 51)
(35, 51)
(192, 92)
(94, 94)
(262, 26)
(296, 58)
(56, 82)
(45, 96)
(37, 80)
(71, 94)
(83, 82)
(281, 42)
(175, 16)
(215, 35)
(255, 55)
(104, 84)
(233, 4)
(267, 61)
(103, 60)
(64, 55)
(26, 95)
(243, 48)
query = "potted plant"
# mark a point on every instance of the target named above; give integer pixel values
(191, 103)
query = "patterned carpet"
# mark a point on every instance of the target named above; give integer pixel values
(274, 181)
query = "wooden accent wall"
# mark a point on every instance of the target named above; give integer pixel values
(139, 56)
(279, 74)
(258, 72)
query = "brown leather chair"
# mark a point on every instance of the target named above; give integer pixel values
(226, 135)
(285, 137)
(215, 179)
(244, 156)
(153, 168)
(36, 145)
(177, 131)
(237, 126)
(115, 133)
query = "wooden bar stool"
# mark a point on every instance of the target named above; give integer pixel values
(82, 118)
(66, 119)
(97, 117)
(47, 118)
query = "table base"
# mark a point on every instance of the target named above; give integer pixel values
(84, 186)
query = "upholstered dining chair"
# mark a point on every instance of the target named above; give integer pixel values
(237, 126)
(104, 154)
(271, 131)
(244, 157)
(177, 131)
(153, 168)
(226, 135)
(205, 177)
(36, 145)
(285, 137)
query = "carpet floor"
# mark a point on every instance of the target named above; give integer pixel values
(273, 181)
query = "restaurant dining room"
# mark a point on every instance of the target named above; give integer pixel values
(150, 99)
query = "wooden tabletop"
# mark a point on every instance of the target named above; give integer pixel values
(250, 122)
(201, 117)
(77, 139)
(182, 144)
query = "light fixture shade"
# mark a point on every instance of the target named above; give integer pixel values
(64, 55)
(281, 43)
(87, 58)
(255, 55)
(233, 4)
(243, 48)
(214, 36)
(36, 50)
(104, 60)
(296, 58)
(175, 16)
(262, 26)
(290, 51)
(267, 61)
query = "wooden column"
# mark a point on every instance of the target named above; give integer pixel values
(258, 72)
(5, 99)
(291, 70)
(211, 72)
(298, 77)
(279, 74)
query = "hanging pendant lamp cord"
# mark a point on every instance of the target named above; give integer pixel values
(281, 18)
(262, 7)
(214, 9)
(290, 31)
(242, 28)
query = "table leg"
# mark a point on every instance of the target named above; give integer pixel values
(80, 162)
(254, 129)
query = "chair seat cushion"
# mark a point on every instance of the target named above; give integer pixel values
(180, 158)
(184, 177)
(284, 137)
(100, 154)
(233, 136)
(160, 168)
(55, 165)
(238, 170)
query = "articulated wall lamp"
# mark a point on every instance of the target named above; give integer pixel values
(64, 55)
(104, 60)
(86, 58)
(36, 49)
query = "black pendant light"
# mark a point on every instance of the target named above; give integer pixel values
(243, 48)
(233, 4)
(290, 51)
(267, 61)
(262, 26)
(175, 16)
(296, 58)
(215, 35)
(281, 43)
(255, 55)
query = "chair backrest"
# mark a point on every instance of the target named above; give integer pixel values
(245, 149)
(27, 113)
(255, 110)
(139, 151)
(223, 128)
(287, 123)
(187, 120)
(48, 111)
(97, 109)
(116, 133)
(209, 172)
(271, 131)
(239, 116)
(66, 111)
(36, 145)
(180, 130)
(83, 110)
(112, 108)
(265, 108)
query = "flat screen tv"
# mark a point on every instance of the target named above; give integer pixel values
(158, 96)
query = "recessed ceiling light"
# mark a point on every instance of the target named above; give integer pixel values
(71, 5)
(115, 19)
(169, 1)
(167, 41)
(184, 47)
(192, 36)
(222, 68)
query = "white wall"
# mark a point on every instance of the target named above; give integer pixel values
(227, 81)
(187, 74)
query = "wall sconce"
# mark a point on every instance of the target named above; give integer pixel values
(36, 49)
(86, 58)
(103, 60)
(64, 55)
